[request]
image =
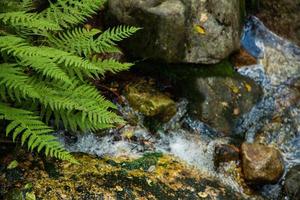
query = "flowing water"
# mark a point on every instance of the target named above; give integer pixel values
(194, 141)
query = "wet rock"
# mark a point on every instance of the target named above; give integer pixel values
(261, 164)
(222, 100)
(282, 17)
(144, 97)
(292, 183)
(280, 58)
(127, 178)
(226, 153)
(280, 66)
(181, 31)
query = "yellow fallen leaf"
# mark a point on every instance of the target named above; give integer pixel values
(235, 89)
(199, 29)
(248, 87)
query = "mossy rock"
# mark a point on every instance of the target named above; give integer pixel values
(153, 176)
(145, 98)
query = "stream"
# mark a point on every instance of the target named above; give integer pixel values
(277, 72)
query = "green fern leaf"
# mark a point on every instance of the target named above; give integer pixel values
(28, 20)
(24, 120)
(68, 13)
(108, 38)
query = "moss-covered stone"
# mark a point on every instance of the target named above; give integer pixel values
(144, 97)
(123, 178)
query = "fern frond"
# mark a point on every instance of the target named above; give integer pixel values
(16, 82)
(15, 5)
(68, 13)
(31, 129)
(108, 38)
(82, 42)
(28, 20)
(82, 99)
(78, 40)
(111, 65)
(21, 49)
(46, 66)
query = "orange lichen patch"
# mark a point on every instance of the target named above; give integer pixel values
(243, 58)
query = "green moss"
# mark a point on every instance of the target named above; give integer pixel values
(144, 162)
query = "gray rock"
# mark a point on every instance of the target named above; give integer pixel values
(261, 164)
(292, 183)
(224, 100)
(185, 31)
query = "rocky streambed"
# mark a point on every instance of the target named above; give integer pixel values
(228, 132)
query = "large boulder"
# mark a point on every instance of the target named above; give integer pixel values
(185, 31)
(261, 164)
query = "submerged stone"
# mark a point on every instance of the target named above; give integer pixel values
(261, 164)
(182, 31)
(145, 98)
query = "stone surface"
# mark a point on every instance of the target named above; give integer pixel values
(292, 183)
(153, 176)
(226, 153)
(144, 97)
(282, 17)
(181, 31)
(261, 164)
(224, 99)
(279, 66)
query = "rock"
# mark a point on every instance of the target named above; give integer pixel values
(224, 100)
(282, 17)
(226, 153)
(181, 31)
(292, 183)
(261, 164)
(279, 57)
(126, 178)
(144, 97)
(280, 66)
